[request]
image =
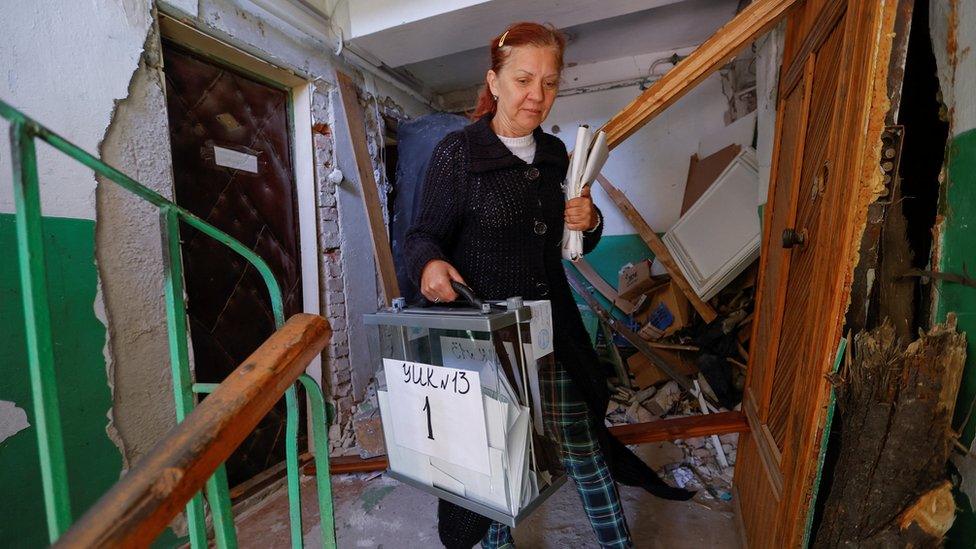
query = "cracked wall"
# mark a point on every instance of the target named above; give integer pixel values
(954, 41)
(104, 90)
(72, 86)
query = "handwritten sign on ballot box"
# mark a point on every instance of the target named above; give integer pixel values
(438, 411)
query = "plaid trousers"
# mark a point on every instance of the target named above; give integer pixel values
(567, 420)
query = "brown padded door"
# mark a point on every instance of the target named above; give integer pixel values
(228, 304)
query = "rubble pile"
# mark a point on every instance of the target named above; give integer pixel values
(700, 468)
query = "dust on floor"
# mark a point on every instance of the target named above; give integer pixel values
(374, 511)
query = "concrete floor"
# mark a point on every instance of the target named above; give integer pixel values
(378, 512)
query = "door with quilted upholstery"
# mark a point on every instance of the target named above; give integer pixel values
(232, 166)
(835, 57)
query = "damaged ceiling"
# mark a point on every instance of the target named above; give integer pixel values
(440, 46)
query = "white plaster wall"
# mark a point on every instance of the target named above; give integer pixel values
(956, 59)
(651, 166)
(65, 64)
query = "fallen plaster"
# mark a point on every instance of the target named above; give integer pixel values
(12, 419)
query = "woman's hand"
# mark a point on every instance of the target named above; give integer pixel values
(581, 213)
(435, 281)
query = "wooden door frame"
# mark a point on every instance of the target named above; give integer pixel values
(300, 134)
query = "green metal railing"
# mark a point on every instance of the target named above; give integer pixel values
(44, 393)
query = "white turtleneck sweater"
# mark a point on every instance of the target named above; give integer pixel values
(522, 147)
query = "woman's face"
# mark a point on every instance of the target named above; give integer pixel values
(526, 86)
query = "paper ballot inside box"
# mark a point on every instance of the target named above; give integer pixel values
(438, 411)
(508, 486)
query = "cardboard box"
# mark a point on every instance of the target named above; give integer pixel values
(647, 374)
(676, 304)
(635, 280)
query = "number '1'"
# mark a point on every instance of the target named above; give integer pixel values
(430, 426)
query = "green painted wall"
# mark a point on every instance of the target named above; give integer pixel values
(94, 462)
(958, 252)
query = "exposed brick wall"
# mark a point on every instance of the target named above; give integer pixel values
(335, 371)
(337, 367)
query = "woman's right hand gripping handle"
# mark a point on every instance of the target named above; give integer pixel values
(435, 281)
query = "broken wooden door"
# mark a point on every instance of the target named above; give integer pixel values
(232, 167)
(829, 121)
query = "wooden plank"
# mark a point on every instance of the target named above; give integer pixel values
(350, 464)
(826, 20)
(638, 433)
(152, 493)
(754, 20)
(602, 286)
(657, 247)
(355, 132)
(681, 427)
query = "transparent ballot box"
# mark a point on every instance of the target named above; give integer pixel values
(458, 391)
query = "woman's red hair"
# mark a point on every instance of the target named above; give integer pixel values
(518, 34)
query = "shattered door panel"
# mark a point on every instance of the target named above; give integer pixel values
(222, 126)
(804, 291)
(834, 67)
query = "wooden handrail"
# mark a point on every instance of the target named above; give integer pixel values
(146, 499)
(755, 19)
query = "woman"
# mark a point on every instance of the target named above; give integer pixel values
(492, 217)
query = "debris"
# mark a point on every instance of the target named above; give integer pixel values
(646, 374)
(650, 333)
(682, 476)
(711, 263)
(901, 399)
(664, 399)
(719, 452)
(635, 280)
(632, 413)
(702, 172)
(644, 394)
(368, 428)
(667, 312)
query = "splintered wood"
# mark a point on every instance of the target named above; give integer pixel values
(896, 406)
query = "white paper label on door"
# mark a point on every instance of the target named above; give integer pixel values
(438, 411)
(235, 159)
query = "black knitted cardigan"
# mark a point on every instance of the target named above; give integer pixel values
(499, 222)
